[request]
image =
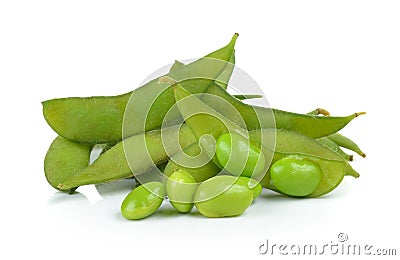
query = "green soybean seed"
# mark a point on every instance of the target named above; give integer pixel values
(63, 160)
(252, 184)
(181, 187)
(222, 196)
(295, 176)
(143, 201)
(238, 156)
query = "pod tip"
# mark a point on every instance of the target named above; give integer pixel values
(351, 158)
(234, 38)
(363, 155)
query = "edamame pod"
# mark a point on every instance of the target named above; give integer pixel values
(332, 165)
(260, 117)
(222, 79)
(63, 160)
(345, 142)
(334, 147)
(100, 119)
(146, 151)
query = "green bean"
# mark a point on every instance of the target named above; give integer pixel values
(252, 184)
(100, 119)
(143, 201)
(239, 156)
(181, 187)
(63, 160)
(295, 176)
(222, 196)
(345, 142)
(145, 151)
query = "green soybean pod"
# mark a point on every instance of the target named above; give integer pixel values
(222, 79)
(148, 149)
(222, 196)
(295, 176)
(143, 201)
(181, 187)
(63, 160)
(288, 143)
(261, 117)
(334, 147)
(345, 142)
(96, 120)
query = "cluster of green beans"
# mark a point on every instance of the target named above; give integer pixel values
(187, 139)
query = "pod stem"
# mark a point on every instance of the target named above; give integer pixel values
(319, 111)
(322, 111)
(359, 114)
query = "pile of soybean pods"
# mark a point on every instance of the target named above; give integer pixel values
(241, 152)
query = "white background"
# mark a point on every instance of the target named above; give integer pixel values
(340, 55)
